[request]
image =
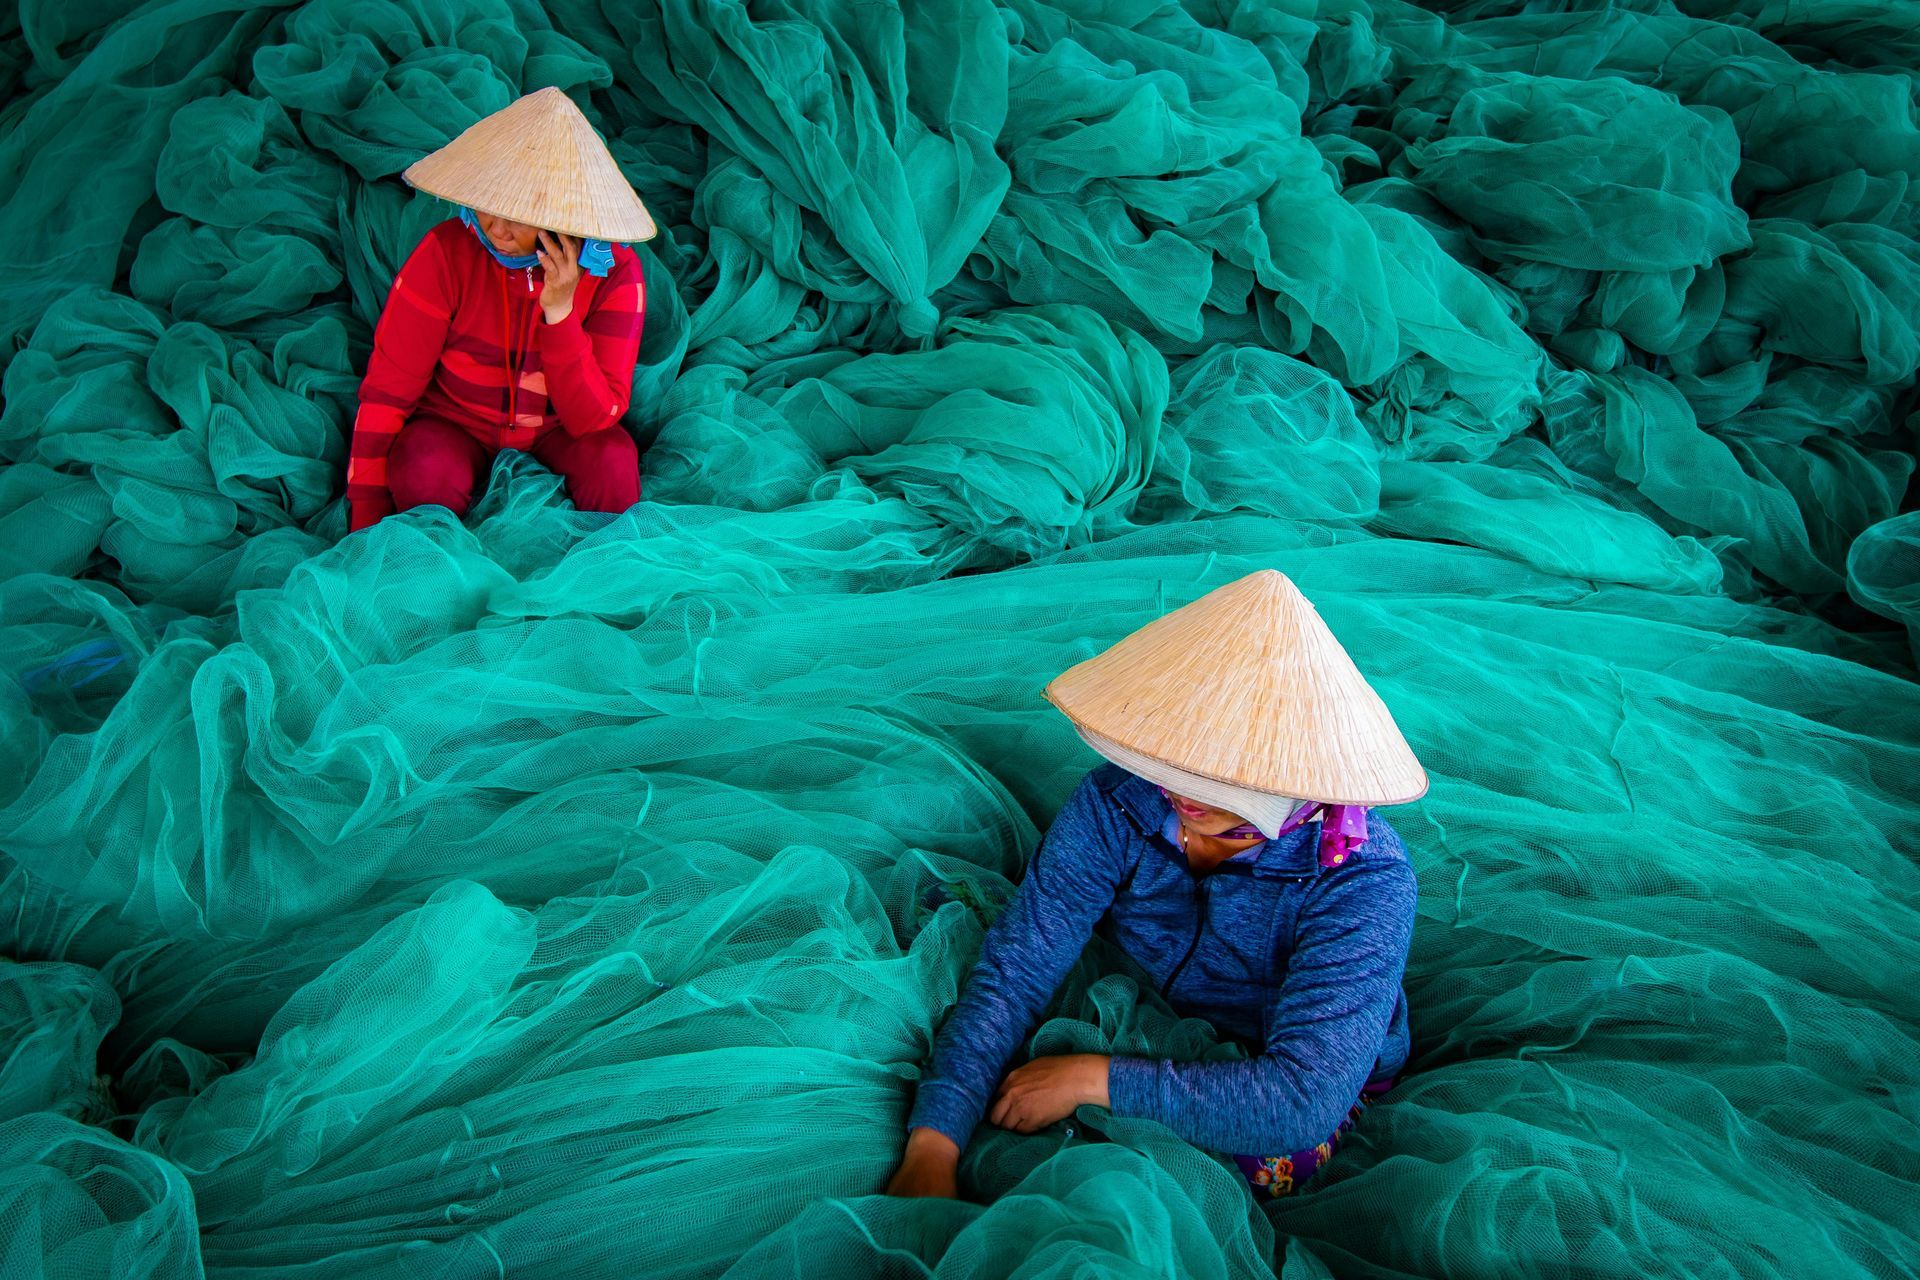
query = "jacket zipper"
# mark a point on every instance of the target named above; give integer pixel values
(1199, 927)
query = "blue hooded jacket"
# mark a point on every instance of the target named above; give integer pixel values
(1301, 962)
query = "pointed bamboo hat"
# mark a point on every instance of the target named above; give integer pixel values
(1246, 687)
(538, 161)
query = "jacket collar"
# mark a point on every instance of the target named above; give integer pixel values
(1292, 856)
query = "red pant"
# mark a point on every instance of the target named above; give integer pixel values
(436, 463)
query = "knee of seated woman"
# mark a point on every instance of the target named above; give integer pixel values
(606, 445)
(430, 465)
(602, 474)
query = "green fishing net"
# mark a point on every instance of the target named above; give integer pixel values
(553, 895)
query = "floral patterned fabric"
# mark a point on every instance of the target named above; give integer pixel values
(1283, 1175)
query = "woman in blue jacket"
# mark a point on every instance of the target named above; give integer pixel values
(1283, 921)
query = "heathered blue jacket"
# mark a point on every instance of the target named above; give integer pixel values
(1303, 963)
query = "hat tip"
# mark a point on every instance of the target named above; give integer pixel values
(1270, 580)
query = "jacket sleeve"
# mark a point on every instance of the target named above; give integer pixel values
(1324, 1026)
(589, 359)
(1069, 885)
(407, 343)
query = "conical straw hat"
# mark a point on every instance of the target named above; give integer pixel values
(1246, 686)
(538, 161)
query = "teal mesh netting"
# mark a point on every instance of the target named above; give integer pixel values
(556, 895)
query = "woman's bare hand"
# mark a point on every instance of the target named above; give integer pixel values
(929, 1166)
(560, 259)
(1047, 1090)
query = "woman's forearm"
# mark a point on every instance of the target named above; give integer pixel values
(577, 387)
(1257, 1106)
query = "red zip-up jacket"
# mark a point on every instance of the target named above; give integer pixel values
(462, 338)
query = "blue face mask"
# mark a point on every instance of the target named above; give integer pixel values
(596, 256)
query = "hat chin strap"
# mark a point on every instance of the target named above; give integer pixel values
(1266, 811)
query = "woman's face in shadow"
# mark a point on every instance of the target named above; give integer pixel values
(511, 238)
(1202, 819)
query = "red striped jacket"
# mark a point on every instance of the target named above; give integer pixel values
(456, 330)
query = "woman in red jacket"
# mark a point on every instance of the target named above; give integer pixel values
(504, 331)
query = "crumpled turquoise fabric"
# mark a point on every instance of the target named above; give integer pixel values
(562, 895)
